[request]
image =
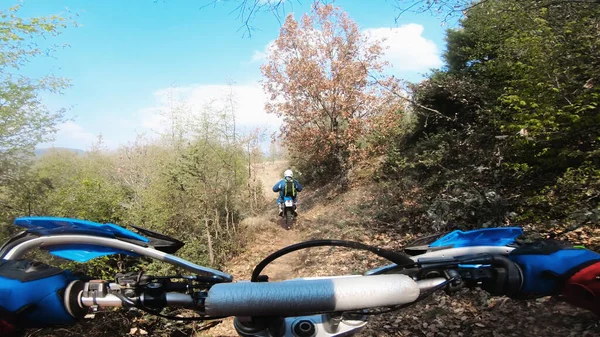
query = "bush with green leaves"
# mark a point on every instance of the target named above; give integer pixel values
(514, 114)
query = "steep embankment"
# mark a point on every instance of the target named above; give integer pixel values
(325, 213)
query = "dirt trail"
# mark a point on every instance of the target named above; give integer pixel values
(266, 235)
(467, 313)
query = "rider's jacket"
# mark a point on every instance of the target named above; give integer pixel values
(280, 187)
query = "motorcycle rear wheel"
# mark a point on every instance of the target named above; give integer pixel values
(288, 217)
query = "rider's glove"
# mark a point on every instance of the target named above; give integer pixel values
(32, 295)
(551, 267)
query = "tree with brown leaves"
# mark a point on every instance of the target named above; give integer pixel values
(324, 77)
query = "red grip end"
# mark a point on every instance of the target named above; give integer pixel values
(583, 289)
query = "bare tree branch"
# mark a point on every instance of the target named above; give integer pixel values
(408, 99)
(247, 9)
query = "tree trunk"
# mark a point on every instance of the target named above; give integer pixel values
(211, 256)
(255, 195)
(227, 205)
(344, 170)
(227, 220)
(249, 189)
(232, 223)
(216, 222)
(249, 162)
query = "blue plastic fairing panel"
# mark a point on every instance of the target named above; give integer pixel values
(84, 253)
(54, 226)
(480, 237)
(46, 226)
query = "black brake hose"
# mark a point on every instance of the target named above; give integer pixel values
(394, 257)
(133, 304)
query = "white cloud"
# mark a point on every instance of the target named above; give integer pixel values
(250, 100)
(117, 131)
(261, 55)
(258, 56)
(71, 134)
(407, 49)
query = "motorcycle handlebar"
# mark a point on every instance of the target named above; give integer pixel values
(291, 297)
(303, 296)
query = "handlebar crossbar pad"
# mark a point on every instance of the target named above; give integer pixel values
(307, 296)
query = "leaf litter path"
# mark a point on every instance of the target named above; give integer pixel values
(265, 236)
(466, 314)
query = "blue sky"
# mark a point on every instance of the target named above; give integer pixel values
(126, 54)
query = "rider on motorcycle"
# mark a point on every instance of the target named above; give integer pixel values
(287, 186)
(31, 293)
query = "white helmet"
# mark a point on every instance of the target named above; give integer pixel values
(288, 173)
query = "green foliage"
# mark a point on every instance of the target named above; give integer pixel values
(79, 186)
(65, 184)
(25, 120)
(576, 191)
(516, 117)
(193, 184)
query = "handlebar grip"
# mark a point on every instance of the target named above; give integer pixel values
(304, 296)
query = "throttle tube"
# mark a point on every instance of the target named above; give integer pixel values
(307, 296)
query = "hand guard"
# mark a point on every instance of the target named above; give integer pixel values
(548, 265)
(31, 295)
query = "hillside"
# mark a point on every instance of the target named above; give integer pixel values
(325, 213)
(349, 216)
(42, 151)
